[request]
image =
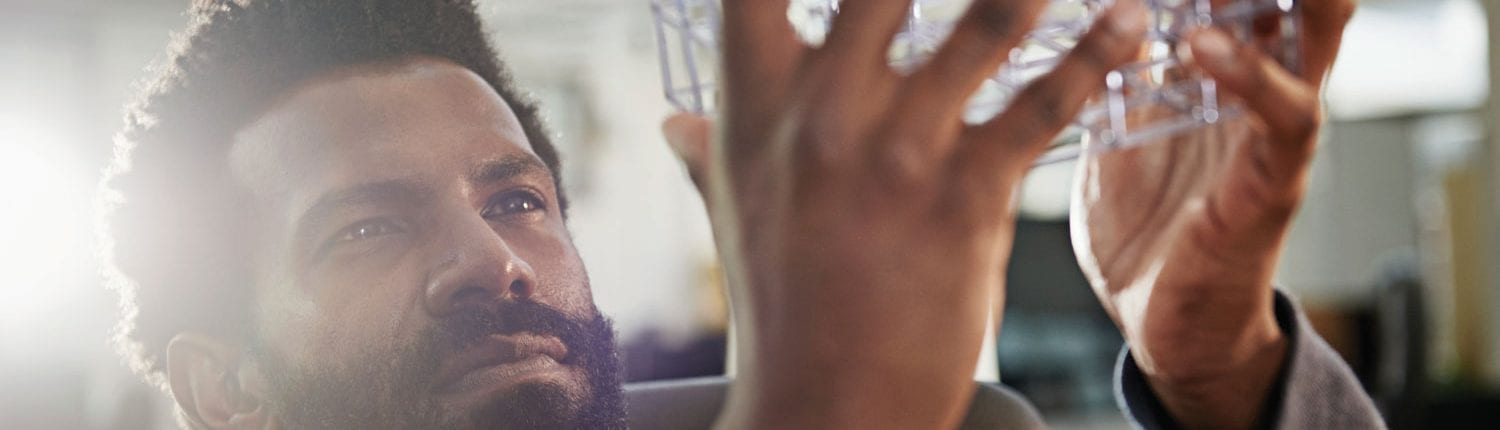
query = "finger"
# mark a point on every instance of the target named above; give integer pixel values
(979, 44)
(689, 135)
(862, 33)
(1041, 110)
(759, 43)
(1323, 23)
(1267, 176)
(1288, 105)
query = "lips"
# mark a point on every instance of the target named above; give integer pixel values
(505, 356)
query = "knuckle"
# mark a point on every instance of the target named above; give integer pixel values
(1108, 32)
(972, 216)
(1047, 107)
(1095, 55)
(970, 200)
(815, 154)
(975, 180)
(900, 166)
(819, 137)
(1255, 78)
(995, 19)
(991, 168)
(1112, 44)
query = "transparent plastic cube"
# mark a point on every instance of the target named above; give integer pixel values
(1152, 99)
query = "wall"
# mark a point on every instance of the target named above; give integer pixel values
(1492, 117)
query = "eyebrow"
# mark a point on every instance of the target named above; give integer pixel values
(507, 168)
(372, 193)
(399, 190)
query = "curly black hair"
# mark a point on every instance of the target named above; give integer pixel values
(173, 224)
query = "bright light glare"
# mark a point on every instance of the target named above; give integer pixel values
(42, 220)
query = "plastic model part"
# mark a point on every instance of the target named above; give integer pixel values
(1154, 98)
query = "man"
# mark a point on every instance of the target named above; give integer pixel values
(339, 214)
(311, 206)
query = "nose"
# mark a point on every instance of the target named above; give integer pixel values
(477, 269)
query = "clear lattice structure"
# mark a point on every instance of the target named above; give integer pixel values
(1152, 99)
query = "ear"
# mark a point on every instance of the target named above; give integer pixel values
(208, 379)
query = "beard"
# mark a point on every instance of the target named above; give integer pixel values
(396, 389)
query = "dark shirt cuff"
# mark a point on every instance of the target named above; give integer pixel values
(1146, 411)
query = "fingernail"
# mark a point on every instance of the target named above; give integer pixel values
(1210, 45)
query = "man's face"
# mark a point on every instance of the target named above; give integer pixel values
(412, 266)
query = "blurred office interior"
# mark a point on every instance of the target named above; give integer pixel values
(1395, 253)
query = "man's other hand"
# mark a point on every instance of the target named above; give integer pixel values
(1180, 239)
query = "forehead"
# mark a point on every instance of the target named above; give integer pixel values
(420, 119)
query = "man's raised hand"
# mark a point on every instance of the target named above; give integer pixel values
(864, 226)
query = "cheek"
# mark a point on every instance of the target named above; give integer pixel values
(348, 317)
(561, 279)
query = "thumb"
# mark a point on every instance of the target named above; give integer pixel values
(688, 135)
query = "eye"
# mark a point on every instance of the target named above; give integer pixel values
(367, 229)
(514, 203)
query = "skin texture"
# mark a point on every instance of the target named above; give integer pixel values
(1180, 238)
(1201, 325)
(865, 226)
(407, 237)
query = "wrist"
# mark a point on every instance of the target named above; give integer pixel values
(846, 383)
(858, 398)
(1196, 355)
(1227, 391)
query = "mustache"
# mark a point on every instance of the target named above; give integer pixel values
(468, 326)
(389, 388)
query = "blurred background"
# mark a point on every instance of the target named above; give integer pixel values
(1395, 254)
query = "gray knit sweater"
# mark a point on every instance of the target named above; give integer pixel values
(1316, 390)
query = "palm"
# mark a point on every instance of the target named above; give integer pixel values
(1180, 238)
(1153, 217)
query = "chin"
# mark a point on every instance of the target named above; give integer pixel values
(550, 400)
